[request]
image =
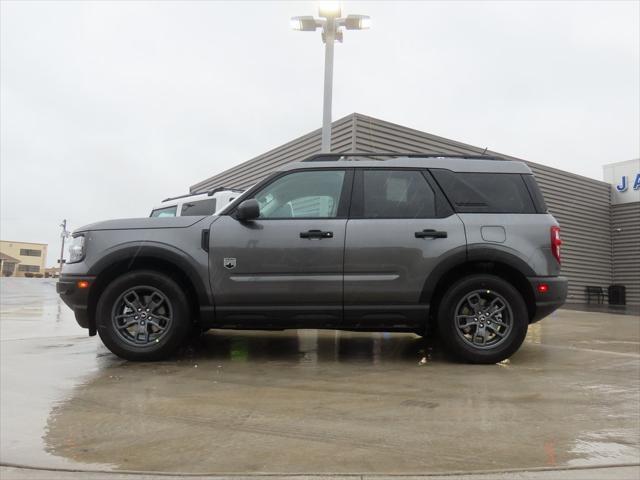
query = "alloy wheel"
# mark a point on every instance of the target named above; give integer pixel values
(142, 315)
(483, 319)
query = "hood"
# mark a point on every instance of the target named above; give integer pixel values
(142, 223)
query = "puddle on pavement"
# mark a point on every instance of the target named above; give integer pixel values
(289, 401)
(604, 448)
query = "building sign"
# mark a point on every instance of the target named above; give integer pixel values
(624, 178)
(623, 186)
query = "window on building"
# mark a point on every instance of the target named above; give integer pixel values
(28, 252)
(201, 207)
(485, 192)
(8, 269)
(165, 212)
(311, 194)
(397, 194)
(29, 268)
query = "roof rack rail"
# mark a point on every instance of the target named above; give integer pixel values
(220, 189)
(334, 157)
(179, 196)
(208, 192)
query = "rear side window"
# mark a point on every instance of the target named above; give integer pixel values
(164, 212)
(199, 207)
(397, 194)
(485, 192)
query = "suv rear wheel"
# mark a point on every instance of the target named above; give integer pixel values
(483, 319)
(143, 315)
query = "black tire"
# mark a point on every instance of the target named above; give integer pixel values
(505, 334)
(150, 287)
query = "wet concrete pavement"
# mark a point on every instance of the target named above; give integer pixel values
(314, 401)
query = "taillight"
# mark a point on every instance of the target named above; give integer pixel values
(543, 287)
(556, 242)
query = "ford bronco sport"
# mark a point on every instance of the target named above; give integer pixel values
(369, 242)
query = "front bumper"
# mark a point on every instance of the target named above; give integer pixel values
(553, 298)
(77, 298)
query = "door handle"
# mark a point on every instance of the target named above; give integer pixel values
(431, 234)
(316, 234)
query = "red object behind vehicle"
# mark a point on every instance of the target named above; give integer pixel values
(556, 241)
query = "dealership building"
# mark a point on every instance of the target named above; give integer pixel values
(600, 220)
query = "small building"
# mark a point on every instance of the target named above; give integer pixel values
(23, 259)
(601, 240)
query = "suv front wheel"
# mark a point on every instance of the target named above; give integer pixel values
(483, 319)
(143, 315)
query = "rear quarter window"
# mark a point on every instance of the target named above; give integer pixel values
(536, 194)
(485, 192)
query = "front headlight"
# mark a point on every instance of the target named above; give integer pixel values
(76, 249)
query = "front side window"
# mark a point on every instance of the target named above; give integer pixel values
(397, 194)
(310, 194)
(200, 207)
(165, 212)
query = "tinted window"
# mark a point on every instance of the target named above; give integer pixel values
(200, 207)
(312, 194)
(397, 194)
(27, 252)
(535, 192)
(485, 192)
(165, 212)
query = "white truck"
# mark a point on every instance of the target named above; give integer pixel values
(193, 204)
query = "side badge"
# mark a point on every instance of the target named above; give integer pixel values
(229, 263)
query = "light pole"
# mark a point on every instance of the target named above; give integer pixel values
(331, 23)
(63, 235)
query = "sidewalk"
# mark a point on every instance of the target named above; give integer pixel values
(606, 473)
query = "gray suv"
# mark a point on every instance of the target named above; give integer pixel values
(369, 242)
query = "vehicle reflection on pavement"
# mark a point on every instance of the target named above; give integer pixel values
(324, 401)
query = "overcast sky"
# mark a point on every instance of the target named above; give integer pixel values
(108, 107)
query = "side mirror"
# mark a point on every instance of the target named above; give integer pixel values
(248, 210)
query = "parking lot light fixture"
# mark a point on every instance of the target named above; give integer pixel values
(331, 22)
(329, 9)
(304, 24)
(357, 22)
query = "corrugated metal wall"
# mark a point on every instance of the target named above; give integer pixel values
(580, 204)
(252, 171)
(625, 220)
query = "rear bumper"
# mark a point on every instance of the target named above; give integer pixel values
(77, 298)
(549, 301)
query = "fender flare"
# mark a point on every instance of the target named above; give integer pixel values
(481, 253)
(161, 251)
(501, 254)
